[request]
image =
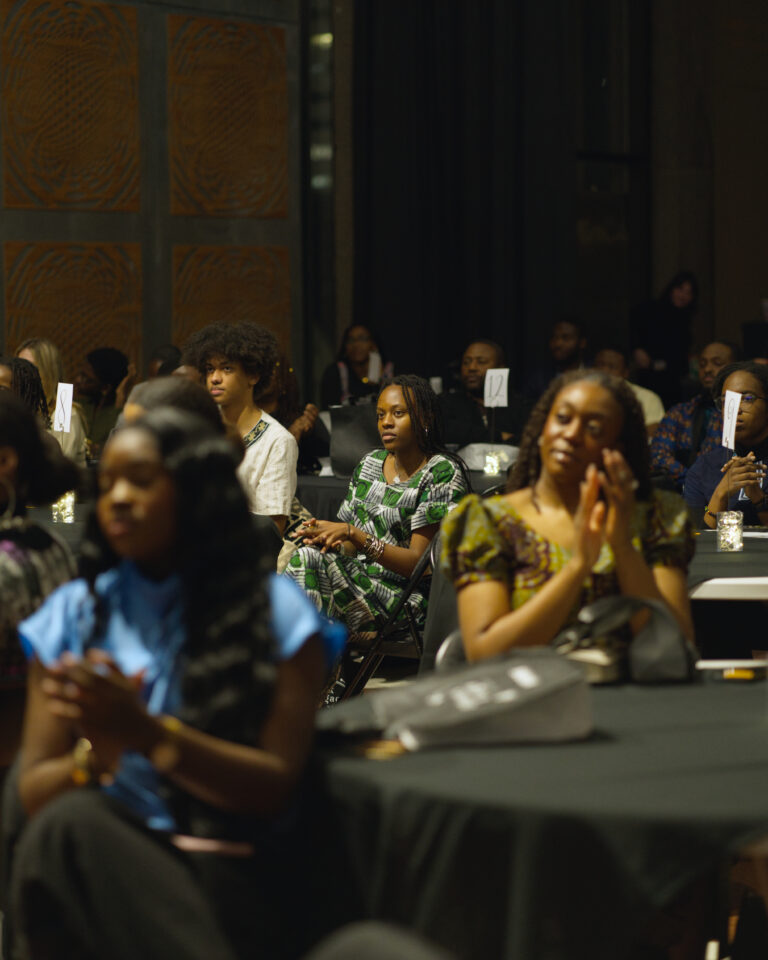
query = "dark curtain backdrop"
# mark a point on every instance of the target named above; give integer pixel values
(438, 195)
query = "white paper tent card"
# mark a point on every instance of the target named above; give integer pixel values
(730, 413)
(62, 418)
(496, 380)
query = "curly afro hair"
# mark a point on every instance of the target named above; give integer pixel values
(249, 344)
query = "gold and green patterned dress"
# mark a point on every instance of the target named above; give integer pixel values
(486, 540)
(353, 589)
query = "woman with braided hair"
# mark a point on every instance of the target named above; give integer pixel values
(355, 569)
(179, 681)
(22, 378)
(579, 521)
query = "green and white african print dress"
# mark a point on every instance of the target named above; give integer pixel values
(354, 589)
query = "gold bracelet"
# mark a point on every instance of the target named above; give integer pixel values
(82, 758)
(165, 754)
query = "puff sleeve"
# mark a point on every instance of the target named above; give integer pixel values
(473, 550)
(667, 537)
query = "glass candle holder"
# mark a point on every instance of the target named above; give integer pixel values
(730, 531)
(63, 511)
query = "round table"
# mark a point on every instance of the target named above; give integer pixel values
(558, 851)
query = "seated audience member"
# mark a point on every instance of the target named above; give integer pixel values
(237, 362)
(101, 387)
(281, 400)
(172, 695)
(580, 522)
(467, 420)
(21, 378)
(187, 371)
(692, 427)
(354, 570)
(44, 354)
(32, 562)
(357, 371)
(165, 359)
(723, 479)
(660, 333)
(567, 345)
(613, 361)
(177, 392)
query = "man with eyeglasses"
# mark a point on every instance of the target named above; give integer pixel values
(694, 427)
(725, 479)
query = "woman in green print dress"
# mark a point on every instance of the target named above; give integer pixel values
(355, 569)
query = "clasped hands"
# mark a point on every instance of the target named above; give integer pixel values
(741, 473)
(325, 534)
(101, 701)
(606, 505)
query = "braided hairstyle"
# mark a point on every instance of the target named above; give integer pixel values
(633, 439)
(27, 386)
(426, 418)
(229, 673)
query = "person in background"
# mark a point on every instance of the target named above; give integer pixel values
(466, 418)
(281, 400)
(32, 561)
(358, 370)
(692, 427)
(721, 479)
(612, 360)
(580, 522)
(567, 346)
(177, 392)
(355, 568)
(237, 362)
(165, 359)
(45, 355)
(101, 387)
(660, 333)
(22, 379)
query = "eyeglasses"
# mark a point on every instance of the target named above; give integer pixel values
(746, 398)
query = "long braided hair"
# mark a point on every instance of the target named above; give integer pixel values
(634, 438)
(229, 674)
(27, 386)
(426, 418)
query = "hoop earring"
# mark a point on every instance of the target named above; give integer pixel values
(10, 506)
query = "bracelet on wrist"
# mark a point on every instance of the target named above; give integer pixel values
(373, 548)
(82, 759)
(164, 756)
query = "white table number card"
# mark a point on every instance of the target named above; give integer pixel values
(62, 418)
(730, 413)
(496, 380)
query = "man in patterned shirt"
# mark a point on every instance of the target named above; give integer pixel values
(695, 426)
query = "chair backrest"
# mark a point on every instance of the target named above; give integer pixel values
(354, 433)
(442, 614)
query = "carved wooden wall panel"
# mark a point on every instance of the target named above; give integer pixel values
(228, 118)
(231, 284)
(81, 296)
(70, 108)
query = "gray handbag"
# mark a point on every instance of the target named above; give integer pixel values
(659, 653)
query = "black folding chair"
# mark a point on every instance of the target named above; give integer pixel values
(398, 636)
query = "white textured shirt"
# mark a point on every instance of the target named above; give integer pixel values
(268, 469)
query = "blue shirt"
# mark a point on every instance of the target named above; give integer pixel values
(145, 632)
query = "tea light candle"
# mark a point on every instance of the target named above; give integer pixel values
(63, 511)
(730, 531)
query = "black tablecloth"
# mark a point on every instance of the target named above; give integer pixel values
(562, 850)
(708, 564)
(322, 496)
